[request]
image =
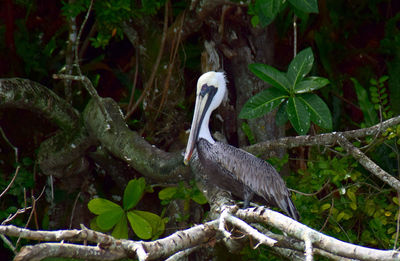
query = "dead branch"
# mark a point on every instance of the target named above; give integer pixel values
(368, 163)
(327, 243)
(324, 139)
(109, 248)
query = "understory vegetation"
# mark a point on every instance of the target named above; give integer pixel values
(147, 56)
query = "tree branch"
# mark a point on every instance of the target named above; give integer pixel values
(368, 163)
(262, 148)
(110, 248)
(327, 243)
(130, 146)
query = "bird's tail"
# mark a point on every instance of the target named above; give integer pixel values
(291, 210)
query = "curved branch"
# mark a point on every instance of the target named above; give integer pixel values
(61, 153)
(29, 95)
(130, 146)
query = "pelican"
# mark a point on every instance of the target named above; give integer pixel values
(228, 167)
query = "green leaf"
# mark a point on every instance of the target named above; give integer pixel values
(310, 84)
(271, 75)
(308, 6)
(262, 103)
(157, 225)
(248, 132)
(281, 116)
(370, 116)
(266, 10)
(108, 219)
(133, 192)
(319, 111)
(300, 66)
(167, 193)
(140, 226)
(94, 226)
(100, 205)
(121, 229)
(198, 197)
(298, 115)
(325, 207)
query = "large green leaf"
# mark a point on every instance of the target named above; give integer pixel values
(281, 115)
(298, 115)
(133, 192)
(121, 229)
(267, 10)
(140, 226)
(310, 84)
(262, 103)
(370, 116)
(270, 75)
(100, 205)
(307, 6)
(319, 111)
(108, 219)
(299, 67)
(157, 225)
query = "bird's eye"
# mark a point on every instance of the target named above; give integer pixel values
(204, 89)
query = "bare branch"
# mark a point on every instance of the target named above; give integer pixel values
(368, 163)
(327, 243)
(44, 250)
(262, 148)
(11, 182)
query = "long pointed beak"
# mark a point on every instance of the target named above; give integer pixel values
(199, 112)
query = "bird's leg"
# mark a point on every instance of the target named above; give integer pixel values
(248, 196)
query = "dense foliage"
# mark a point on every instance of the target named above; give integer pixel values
(352, 49)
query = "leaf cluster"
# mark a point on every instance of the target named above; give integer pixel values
(352, 206)
(291, 94)
(265, 11)
(145, 225)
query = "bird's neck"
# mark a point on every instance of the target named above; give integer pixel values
(204, 131)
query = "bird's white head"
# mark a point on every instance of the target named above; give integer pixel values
(211, 89)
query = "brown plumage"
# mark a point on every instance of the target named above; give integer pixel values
(245, 175)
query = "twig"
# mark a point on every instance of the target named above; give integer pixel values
(254, 233)
(175, 48)
(92, 91)
(11, 182)
(134, 82)
(329, 215)
(73, 209)
(311, 194)
(78, 39)
(368, 163)
(10, 144)
(156, 64)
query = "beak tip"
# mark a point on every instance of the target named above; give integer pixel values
(186, 161)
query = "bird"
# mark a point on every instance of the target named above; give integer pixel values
(230, 168)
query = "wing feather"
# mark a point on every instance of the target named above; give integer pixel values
(232, 169)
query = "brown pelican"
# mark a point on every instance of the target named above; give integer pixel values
(230, 168)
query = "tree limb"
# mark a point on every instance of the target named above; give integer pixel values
(262, 148)
(110, 248)
(327, 243)
(129, 146)
(368, 163)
